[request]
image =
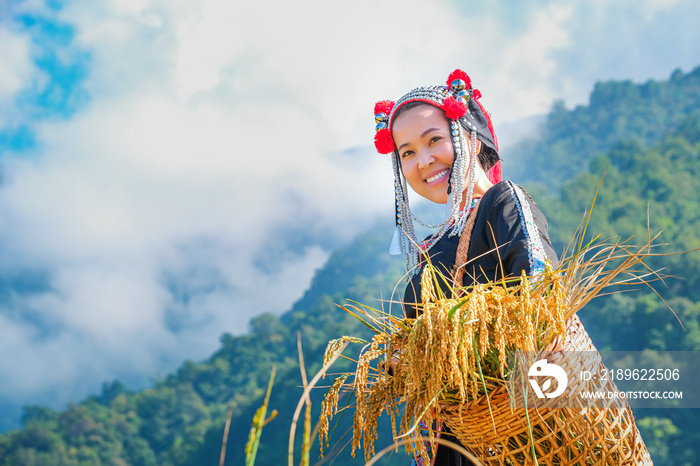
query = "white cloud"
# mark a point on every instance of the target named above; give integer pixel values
(524, 68)
(16, 72)
(16, 66)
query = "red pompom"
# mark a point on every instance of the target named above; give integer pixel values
(459, 74)
(476, 94)
(383, 141)
(383, 106)
(453, 108)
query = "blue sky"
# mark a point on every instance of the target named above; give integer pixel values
(170, 169)
(52, 90)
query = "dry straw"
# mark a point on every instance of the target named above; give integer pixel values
(451, 363)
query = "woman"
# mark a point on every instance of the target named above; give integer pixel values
(443, 146)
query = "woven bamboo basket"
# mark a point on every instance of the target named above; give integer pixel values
(587, 432)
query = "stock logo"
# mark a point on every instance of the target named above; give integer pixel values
(546, 370)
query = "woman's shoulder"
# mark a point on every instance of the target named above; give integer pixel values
(514, 218)
(506, 202)
(504, 192)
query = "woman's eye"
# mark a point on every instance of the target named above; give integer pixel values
(406, 154)
(435, 139)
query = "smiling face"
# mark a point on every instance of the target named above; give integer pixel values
(423, 139)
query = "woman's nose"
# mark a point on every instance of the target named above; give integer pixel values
(425, 159)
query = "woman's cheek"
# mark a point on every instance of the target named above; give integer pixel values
(406, 166)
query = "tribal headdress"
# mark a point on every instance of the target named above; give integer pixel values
(461, 105)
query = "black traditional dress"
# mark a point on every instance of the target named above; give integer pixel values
(509, 237)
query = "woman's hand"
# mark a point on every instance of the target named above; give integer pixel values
(391, 365)
(555, 350)
(555, 346)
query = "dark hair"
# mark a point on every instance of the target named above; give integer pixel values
(487, 156)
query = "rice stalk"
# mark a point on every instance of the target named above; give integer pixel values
(259, 421)
(306, 445)
(337, 350)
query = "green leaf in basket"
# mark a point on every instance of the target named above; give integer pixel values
(454, 309)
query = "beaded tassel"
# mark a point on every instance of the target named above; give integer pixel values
(405, 234)
(459, 226)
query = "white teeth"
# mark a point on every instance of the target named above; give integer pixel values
(439, 175)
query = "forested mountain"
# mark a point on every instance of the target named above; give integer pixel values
(617, 111)
(647, 137)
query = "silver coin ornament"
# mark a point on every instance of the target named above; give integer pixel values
(463, 96)
(458, 85)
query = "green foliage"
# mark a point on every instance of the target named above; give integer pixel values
(658, 434)
(618, 111)
(646, 136)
